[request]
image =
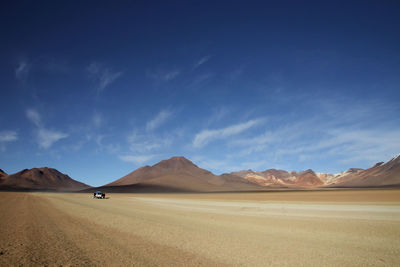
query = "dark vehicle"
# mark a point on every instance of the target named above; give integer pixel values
(99, 194)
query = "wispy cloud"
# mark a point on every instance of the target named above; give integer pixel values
(206, 136)
(163, 75)
(215, 165)
(158, 120)
(171, 75)
(343, 133)
(22, 70)
(201, 61)
(144, 147)
(143, 143)
(354, 144)
(97, 119)
(102, 145)
(103, 76)
(236, 73)
(44, 137)
(34, 117)
(218, 114)
(8, 136)
(200, 81)
(136, 159)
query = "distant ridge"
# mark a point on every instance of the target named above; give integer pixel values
(380, 175)
(40, 179)
(179, 174)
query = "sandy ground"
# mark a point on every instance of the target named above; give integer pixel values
(334, 228)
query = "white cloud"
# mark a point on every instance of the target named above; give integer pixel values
(217, 166)
(107, 78)
(94, 68)
(111, 148)
(267, 137)
(206, 136)
(158, 120)
(8, 136)
(136, 159)
(200, 81)
(218, 114)
(201, 61)
(367, 144)
(235, 74)
(163, 76)
(142, 143)
(279, 136)
(143, 146)
(171, 75)
(97, 119)
(350, 134)
(102, 75)
(34, 117)
(22, 71)
(44, 137)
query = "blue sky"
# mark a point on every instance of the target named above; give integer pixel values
(97, 90)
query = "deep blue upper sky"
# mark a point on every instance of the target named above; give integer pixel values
(97, 90)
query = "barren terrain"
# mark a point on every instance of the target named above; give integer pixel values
(324, 228)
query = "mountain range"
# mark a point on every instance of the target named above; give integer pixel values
(179, 174)
(39, 179)
(380, 175)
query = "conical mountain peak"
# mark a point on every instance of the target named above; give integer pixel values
(175, 163)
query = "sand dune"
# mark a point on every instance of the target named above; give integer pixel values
(334, 228)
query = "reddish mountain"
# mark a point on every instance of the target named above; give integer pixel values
(281, 178)
(281, 174)
(381, 174)
(2, 174)
(308, 178)
(179, 174)
(271, 177)
(41, 179)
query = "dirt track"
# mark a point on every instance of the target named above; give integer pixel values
(281, 229)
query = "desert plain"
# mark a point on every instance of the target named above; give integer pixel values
(294, 228)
